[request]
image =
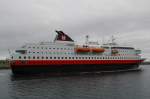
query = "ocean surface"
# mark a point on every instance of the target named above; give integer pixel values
(117, 85)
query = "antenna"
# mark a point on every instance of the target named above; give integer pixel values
(113, 39)
(87, 39)
(9, 51)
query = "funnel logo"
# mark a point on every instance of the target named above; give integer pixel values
(63, 37)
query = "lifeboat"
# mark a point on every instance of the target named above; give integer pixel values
(98, 50)
(81, 49)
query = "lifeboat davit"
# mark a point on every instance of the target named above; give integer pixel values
(98, 50)
(82, 49)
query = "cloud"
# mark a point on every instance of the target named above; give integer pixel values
(35, 20)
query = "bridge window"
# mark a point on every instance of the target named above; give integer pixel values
(21, 51)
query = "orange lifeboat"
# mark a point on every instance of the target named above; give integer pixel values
(98, 50)
(81, 49)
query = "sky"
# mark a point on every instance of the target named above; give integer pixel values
(32, 21)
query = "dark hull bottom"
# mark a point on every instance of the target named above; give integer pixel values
(70, 68)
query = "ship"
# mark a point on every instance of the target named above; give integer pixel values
(64, 55)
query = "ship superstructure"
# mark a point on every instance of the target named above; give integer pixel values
(63, 55)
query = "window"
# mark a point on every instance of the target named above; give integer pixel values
(54, 57)
(50, 57)
(24, 57)
(65, 57)
(72, 57)
(58, 57)
(28, 57)
(46, 57)
(62, 57)
(33, 57)
(38, 57)
(12, 57)
(19, 57)
(42, 57)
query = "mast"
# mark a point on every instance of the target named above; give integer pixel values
(87, 40)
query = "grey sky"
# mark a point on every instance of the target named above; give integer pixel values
(24, 21)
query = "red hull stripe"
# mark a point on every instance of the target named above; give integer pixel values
(72, 62)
